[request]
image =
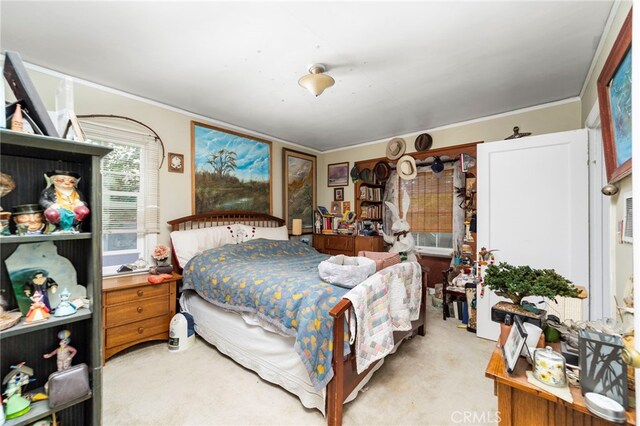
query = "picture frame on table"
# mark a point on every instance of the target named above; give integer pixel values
(229, 170)
(336, 208)
(614, 101)
(512, 348)
(338, 194)
(299, 188)
(338, 174)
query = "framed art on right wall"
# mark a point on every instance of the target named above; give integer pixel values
(614, 101)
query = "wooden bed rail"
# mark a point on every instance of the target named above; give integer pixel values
(345, 375)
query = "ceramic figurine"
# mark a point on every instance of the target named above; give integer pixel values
(4, 223)
(16, 404)
(38, 310)
(40, 282)
(28, 219)
(65, 307)
(64, 353)
(64, 204)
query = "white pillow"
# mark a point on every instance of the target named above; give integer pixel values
(254, 232)
(192, 242)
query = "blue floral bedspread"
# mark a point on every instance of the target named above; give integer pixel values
(279, 281)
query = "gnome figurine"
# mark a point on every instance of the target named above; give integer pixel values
(63, 204)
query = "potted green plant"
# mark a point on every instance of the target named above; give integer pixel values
(518, 282)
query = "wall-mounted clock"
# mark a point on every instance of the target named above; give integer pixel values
(176, 163)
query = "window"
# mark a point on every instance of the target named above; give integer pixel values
(430, 210)
(130, 220)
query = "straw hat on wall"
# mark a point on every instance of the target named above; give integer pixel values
(396, 148)
(406, 167)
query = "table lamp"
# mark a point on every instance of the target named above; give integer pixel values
(296, 227)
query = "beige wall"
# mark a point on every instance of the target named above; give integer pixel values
(174, 127)
(553, 118)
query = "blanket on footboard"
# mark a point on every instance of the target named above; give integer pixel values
(385, 302)
(278, 281)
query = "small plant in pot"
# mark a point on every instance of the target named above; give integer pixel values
(518, 282)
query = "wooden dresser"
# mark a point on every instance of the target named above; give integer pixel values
(136, 311)
(521, 403)
(348, 245)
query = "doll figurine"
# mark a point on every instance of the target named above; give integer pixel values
(64, 352)
(38, 310)
(63, 203)
(16, 404)
(65, 307)
(42, 283)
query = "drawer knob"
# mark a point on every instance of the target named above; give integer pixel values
(140, 330)
(140, 309)
(140, 293)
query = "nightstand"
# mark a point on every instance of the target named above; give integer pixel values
(135, 311)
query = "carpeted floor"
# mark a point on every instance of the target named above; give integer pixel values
(431, 380)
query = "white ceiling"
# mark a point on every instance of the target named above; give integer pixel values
(399, 67)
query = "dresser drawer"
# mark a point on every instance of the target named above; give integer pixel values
(338, 243)
(136, 311)
(140, 330)
(131, 294)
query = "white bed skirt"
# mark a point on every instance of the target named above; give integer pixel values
(269, 354)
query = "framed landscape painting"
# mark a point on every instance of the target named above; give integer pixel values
(614, 101)
(299, 188)
(338, 174)
(231, 171)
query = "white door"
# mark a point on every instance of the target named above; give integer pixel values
(533, 208)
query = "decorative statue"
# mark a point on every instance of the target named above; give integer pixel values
(38, 310)
(401, 239)
(64, 352)
(65, 307)
(40, 282)
(64, 204)
(28, 219)
(16, 404)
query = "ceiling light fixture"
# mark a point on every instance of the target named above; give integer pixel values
(316, 82)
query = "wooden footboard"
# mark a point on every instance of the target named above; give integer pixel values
(345, 376)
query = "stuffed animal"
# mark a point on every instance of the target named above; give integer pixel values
(402, 240)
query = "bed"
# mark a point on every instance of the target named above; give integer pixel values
(316, 358)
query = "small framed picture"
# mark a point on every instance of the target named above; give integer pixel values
(514, 344)
(338, 174)
(338, 194)
(346, 206)
(175, 162)
(336, 207)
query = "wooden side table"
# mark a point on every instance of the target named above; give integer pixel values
(135, 311)
(521, 403)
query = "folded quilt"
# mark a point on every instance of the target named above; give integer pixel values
(385, 302)
(278, 281)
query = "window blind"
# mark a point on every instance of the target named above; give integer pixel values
(129, 179)
(431, 201)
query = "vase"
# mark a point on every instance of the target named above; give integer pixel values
(162, 262)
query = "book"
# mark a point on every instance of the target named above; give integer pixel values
(323, 211)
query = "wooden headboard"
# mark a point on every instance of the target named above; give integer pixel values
(220, 218)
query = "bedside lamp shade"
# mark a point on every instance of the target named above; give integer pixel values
(296, 227)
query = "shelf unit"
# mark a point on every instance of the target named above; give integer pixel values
(26, 158)
(369, 195)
